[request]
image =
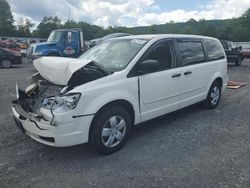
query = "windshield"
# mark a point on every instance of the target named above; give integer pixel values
(115, 55)
(55, 36)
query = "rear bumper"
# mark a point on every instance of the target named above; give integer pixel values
(67, 132)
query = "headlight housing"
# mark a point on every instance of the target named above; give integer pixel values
(62, 104)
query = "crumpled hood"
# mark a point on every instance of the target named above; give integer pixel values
(58, 70)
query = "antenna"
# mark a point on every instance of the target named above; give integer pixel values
(69, 15)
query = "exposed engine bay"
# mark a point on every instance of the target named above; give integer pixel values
(42, 95)
(39, 94)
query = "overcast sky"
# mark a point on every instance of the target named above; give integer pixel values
(128, 12)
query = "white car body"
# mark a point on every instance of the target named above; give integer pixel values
(150, 95)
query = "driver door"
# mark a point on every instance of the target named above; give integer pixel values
(160, 90)
(72, 41)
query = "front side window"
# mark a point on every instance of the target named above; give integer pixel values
(214, 49)
(115, 55)
(162, 53)
(191, 52)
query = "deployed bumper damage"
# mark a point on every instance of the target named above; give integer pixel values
(45, 110)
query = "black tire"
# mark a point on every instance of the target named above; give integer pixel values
(238, 61)
(6, 63)
(102, 127)
(215, 90)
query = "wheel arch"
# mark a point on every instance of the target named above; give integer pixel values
(216, 77)
(219, 80)
(119, 102)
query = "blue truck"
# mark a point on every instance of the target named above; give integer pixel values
(61, 43)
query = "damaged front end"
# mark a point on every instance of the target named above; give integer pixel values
(39, 100)
(45, 110)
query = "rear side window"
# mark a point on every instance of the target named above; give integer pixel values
(192, 52)
(214, 50)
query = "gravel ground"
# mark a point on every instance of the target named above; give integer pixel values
(189, 148)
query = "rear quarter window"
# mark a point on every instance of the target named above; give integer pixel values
(214, 49)
(192, 52)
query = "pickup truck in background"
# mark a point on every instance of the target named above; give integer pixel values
(234, 54)
(61, 43)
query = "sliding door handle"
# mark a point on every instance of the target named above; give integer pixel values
(176, 75)
(187, 73)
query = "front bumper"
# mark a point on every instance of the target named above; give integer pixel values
(31, 58)
(67, 132)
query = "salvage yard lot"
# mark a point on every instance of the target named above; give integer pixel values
(193, 147)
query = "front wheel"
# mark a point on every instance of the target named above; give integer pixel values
(110, 130)
(5, 63)
(214, 95)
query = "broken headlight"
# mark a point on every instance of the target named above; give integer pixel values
(62, 104)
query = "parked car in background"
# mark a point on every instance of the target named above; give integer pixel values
(246, 53)
(245, 49)
(8, 58)
(110, 36)
(10, 45)
(23, 44)
(234, 54)
(121, 82)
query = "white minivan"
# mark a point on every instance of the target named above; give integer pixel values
(117, 84)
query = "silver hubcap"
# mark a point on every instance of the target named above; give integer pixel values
(215, 95)
(113, 131)
(6, 63)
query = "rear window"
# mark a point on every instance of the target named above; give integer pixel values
(214, 49)
(191, 52)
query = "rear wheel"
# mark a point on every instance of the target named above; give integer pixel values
(110, 130)
(5, 63)
(214, 95)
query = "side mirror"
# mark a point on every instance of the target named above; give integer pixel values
(148, 66)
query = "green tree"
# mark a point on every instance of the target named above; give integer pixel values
(152, 29)
(24, 27)
(7, 27)
(188, 30)
(70, 24)
(210, 31)
(47, 25)
(91, 31)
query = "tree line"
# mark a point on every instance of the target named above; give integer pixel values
(235, 29)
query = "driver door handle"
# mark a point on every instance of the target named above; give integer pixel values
(176, 75)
